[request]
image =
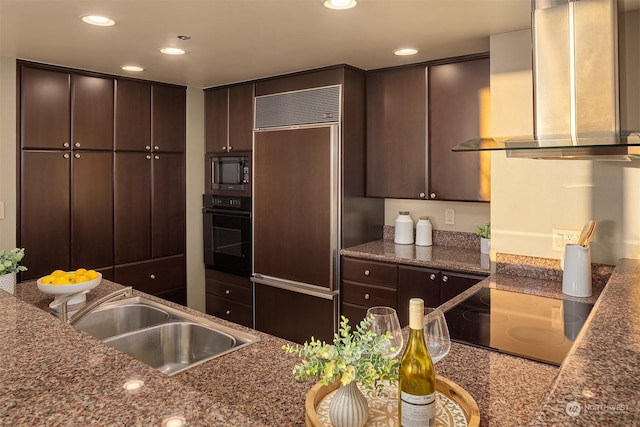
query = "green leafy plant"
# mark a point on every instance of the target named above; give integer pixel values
(10, 261)
(484, 231)
(355, 355)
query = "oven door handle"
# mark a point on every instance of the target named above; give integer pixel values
(221, 212)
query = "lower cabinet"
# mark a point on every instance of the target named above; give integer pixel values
(435, 287)
(229, 297)
(162, 277)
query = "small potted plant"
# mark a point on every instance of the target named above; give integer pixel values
(484, 232)
(356, 356)
(9, 266)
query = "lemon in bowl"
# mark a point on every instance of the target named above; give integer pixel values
(61, 283)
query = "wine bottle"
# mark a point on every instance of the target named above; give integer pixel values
(417, 382)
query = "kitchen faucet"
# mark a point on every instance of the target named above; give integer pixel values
(58, 307)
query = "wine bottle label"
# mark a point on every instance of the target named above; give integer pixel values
(418, 411)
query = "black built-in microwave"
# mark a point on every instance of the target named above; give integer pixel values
(229, 172)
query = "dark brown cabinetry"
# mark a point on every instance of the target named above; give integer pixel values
(87, 162)
(229, 119)
(415, 116)
(229, 297)
(459, 106)
(434, 286)
(367, 284)
(396, 133)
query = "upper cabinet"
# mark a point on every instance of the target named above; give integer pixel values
(229, 119)
(62, 110)
(459, 110)
(415, 115)
(396, 133)
(168, 118)
(133, 116)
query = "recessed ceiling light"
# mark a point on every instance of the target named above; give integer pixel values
(132, 68)
(100, 21)
(172, 51)
(405, 51)
(340, 4)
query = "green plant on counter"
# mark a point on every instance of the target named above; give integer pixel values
(353, 356)
(484, 231)
(10, 261)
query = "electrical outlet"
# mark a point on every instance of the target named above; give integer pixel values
(1, 210)
(561, 238)
(449, 216)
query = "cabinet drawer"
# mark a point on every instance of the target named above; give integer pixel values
(371, 272)
(230, 310)
(368, 295)
(229, 286)
(153, 276)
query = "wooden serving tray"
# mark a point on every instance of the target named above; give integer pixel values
(454, 402)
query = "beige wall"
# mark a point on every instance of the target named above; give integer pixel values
(532, 197)
(195, 176)
(8, 151)
(467, 215)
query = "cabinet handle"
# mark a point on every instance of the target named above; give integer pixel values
(367, 273)
(230, 148)
(66, 155)
(227, 292)
(156, 157)
(147, 147)
(367, 296)
(148, 157)
(433, 196)
(155, 147)
(224, 148)
(65, 145)
(432, 276)
(152, 276)
(445, 278)
(227, 312)
(77, 145)
(423, 195)
(77, 155)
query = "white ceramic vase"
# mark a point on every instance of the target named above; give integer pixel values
(8, 282)
(349, 407)
(485, 245)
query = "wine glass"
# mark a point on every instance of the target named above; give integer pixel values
(385, 319)
(436, 334)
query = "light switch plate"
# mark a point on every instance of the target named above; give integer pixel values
(449, 216)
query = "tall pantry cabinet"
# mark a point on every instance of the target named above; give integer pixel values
(102, 177)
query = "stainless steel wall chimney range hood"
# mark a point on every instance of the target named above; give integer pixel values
(586, 80)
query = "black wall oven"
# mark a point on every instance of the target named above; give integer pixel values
(227, 234)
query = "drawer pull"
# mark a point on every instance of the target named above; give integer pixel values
(227, 292)
(432, 277)
(152, 276)
(367, 273)
(367, 296)
(227, 312)
(445, 278)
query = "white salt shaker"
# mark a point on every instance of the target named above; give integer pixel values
(424, 232)
(404, 229)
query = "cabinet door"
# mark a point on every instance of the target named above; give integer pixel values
(45, 212)
(169, 119)
(396, 133)
(92, 106)
(241, 117)
(168, 204)
(417, 282)
(216, 120)
(132, 206)
(459, 107)
(153, 276)
(92, 210)
(45, 108)
(453, 284)
(133, 116)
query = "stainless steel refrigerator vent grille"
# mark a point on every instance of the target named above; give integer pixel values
(319, 105)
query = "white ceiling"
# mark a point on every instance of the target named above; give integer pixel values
(238, 40)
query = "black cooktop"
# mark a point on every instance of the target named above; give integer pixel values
(530, 326)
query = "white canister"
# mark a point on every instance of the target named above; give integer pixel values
(404, 229)
(424, 232)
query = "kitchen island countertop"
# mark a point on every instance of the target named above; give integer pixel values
(55, 375)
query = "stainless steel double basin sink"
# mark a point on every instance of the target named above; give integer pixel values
(164, 338)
